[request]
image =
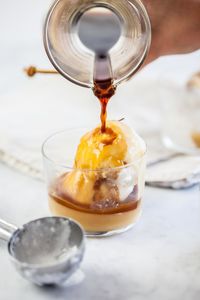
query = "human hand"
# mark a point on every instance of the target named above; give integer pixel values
(175, 27)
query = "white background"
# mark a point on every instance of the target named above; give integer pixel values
(160, 257)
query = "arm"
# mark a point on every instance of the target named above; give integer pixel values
(175, 26)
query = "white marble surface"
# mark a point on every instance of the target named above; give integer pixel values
(159, 258)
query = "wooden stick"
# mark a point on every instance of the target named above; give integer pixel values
(122, 119)
(31, 71)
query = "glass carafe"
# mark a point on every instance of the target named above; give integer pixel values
(78, 33)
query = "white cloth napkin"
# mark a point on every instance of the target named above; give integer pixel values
(46, 104)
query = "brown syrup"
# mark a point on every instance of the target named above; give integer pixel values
(70, 203)
(98, 206)
(103, 88)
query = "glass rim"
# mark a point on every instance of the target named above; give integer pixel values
(71, 168)
(140, 8)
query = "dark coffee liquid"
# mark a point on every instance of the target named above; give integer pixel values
(103, 88)
(99, 29)
(99, 205)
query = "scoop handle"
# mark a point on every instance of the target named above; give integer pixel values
(6, 230)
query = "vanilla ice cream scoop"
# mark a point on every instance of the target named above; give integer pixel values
(118, 146)
(100, 174)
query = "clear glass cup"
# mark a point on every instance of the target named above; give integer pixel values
(180, 121)
(77, 32)
(103, 201)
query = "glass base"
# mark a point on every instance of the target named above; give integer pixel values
(98, 225)
(93, 234)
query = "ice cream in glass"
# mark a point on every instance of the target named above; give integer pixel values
(104, 187)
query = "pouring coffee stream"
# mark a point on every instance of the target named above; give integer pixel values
(96, 44)
(98, 30)
(103, 87)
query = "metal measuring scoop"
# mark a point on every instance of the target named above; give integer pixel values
(45, 251)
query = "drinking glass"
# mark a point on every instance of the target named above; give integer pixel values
(180, 122)
(104, 201)
(78, 32)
